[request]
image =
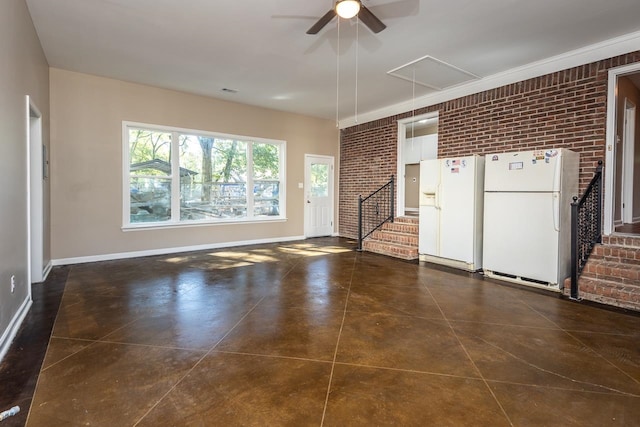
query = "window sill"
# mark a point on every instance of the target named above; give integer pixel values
(169, 225)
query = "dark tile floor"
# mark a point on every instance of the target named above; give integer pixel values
(314, 333)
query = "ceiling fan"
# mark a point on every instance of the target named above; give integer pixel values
(347, 9)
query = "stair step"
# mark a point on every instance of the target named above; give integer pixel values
(612, 273)
(609, 292)
(401, 227)
(391, 249)
(621, 241)
(395, 237)
(398, 239)
(622, 272)
(615, 253)
(407, 220)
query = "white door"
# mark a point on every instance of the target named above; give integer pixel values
(628, 138)
(318, 192)
(36, 193)
(411, 187)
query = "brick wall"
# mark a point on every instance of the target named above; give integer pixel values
(566, 109)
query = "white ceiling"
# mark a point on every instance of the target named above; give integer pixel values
(260, 49)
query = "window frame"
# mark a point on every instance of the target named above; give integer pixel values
(175, 220)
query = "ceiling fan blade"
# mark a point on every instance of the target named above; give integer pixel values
(322, 22)
(370, 20)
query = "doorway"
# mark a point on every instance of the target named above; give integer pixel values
(318, 195)
(628, 143)
(417, 140)
(622, 174)
(37, 174)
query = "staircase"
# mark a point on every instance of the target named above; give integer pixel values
(398, 239)
(612, 273)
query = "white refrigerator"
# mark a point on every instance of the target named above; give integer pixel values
(450, 230)
(527, 216)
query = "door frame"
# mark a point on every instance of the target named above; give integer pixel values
(332, 181)
(402, 132)
(628, 148)
(610, 148)
(35, 197)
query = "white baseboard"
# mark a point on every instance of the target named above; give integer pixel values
(47, 270)
(166, 251)
(10, 333)
(636, 219)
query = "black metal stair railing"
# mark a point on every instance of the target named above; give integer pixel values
(374, 210)
(586, 227)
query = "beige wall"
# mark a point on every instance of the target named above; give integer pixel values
(23, 71)
(86, 162)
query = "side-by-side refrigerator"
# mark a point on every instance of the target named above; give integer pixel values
(527, 216)
(451, 212)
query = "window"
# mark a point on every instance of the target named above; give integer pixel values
(178, 176)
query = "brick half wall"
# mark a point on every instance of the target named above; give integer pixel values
(566, 109)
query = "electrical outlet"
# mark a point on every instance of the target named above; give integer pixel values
(13, 283)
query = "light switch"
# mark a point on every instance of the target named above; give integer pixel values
(300, 185)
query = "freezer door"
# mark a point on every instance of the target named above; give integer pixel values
(429, 211)
(521, 235)
(524, 171)
(457, 206)
(429, 232)
(429, 181)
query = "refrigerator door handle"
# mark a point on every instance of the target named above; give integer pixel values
(438, 188)
(557, 174)
(555, 206)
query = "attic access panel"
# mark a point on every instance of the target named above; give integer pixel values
(432, 73)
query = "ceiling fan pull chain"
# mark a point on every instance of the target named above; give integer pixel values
(338, 80)
(357, 43)
(413, 104)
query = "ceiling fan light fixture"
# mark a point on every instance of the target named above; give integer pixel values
(347, 9)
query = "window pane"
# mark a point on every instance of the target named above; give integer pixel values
(149, 153)
(150, 199)
(266, 161)
(213, 174)
(266, 182)
(319, 180)
(266, 198)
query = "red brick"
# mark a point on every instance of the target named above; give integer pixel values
(562, 109)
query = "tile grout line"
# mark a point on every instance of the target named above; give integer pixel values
(538, 368)
(271, 356)
(603, 393)
(486, 383)
(197, 363)
(335, 352)
(92, 342)
(35, 389)
(568, 332)
(211, 350)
